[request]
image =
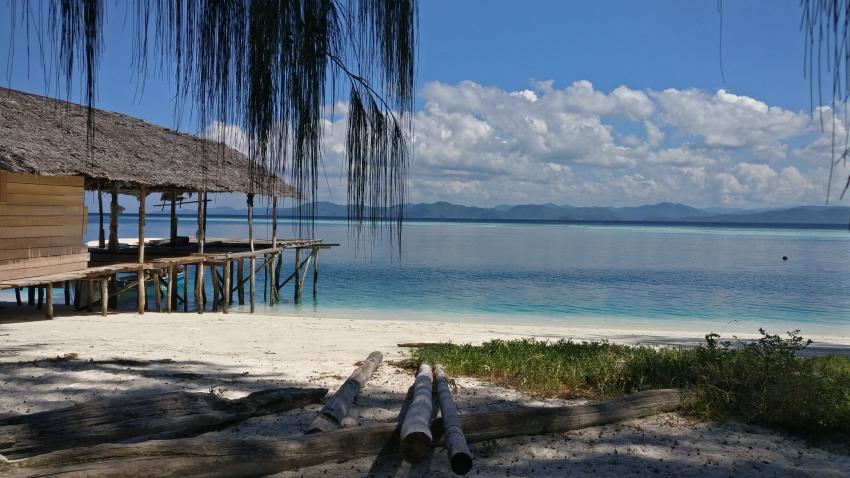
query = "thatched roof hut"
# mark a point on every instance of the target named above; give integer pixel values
(47, 137)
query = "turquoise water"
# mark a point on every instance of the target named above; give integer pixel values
(621, 275)
(706, 278)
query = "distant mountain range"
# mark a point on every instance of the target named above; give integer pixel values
(662, 212)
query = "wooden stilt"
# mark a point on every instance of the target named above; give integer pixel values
(240, 285)
(172, 276)
(173, 232)
(278, 270)
(30, 295)
(272, 279)
(298, 284)
(113, 284)
(315, 271)
(199, 287)
(101, 234)
(274, 221)
(104, 296)
(216, 286)
(232, 274)
(48, 312)
(67, 292)
(141, 275)
(252, 274)
(226, 292)
(78, 294)
(18, 296)
(40, 304)
(186, 288)
(89, 294)
(157, 296)
(201, 229)
(114, 212)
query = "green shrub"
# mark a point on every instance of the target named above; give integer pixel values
(764, 382)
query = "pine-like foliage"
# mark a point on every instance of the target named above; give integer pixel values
(271, 67)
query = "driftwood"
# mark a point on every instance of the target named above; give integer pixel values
(416, 438)
(460, 457)
(336, 408)
(168, 415)
(254, 457)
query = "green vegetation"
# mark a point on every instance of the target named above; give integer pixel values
(765, 382)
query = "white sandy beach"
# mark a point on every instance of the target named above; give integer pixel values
(238, 353)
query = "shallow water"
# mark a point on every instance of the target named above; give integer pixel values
(622, 276)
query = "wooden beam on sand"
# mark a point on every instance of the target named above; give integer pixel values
(336, 408)
(162, 416)
(460, 457)
(256, 456)
(416, 438)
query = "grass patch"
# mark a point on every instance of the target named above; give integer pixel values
(765, 382)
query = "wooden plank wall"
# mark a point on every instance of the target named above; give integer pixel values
(42, 223)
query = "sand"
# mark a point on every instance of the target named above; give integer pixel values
(238, 353)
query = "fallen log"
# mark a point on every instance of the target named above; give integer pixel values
(252, 457)
(167, 415)
(416, 439)
(332, 414)
(460, 458)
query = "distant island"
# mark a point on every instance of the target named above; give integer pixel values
(662, 212)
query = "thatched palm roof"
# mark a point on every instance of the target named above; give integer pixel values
(47, 137)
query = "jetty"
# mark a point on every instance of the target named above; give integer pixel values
(48, 162)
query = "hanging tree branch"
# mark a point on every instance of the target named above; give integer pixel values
(270, 67)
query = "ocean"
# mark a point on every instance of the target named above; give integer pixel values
(689, 277)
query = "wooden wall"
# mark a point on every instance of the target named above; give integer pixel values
(42, 223)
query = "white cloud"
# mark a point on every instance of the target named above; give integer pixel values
(482, 145)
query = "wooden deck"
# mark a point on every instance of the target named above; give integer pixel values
(161, 267)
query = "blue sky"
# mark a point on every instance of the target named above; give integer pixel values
(602, 102)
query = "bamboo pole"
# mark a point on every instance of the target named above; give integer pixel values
(232, 275)
(215, 286)
(48, 311)
(274, 221)
(186, 288)
(252, 274)
(67, 285)
(156, 290)
(336, 408)
(141, 275)
(200, 232)
(272, 279)
(104, 296)
(30, 295)
(40, 304)
(240, 287)
(416, 438)
(114, 212)
(18, 296)
(460, 457)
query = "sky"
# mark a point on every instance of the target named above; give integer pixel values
(580, 103)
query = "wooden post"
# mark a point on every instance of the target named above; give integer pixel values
(104, 296)
(141, 274)
(296, 297)
(277, 269)
(101, 234)
(416, 439)
(48, 313)
(316, 271)
(67, 292)
(232, 275)
(113, 283)
(200, 232)
(274, 221)
(253, 260)
(186, 288)
(460, 457)
(30, 295)
(252, 273)
(18, 296)
(156, 290)
(40, 304)
(336, 408)
(240, 285)
(199, 286)
(89, 294)
(114, 211)
(272, 278)
(173, 235)
(215, 285)
(78, 293)
(172, 276)
(226, 291)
